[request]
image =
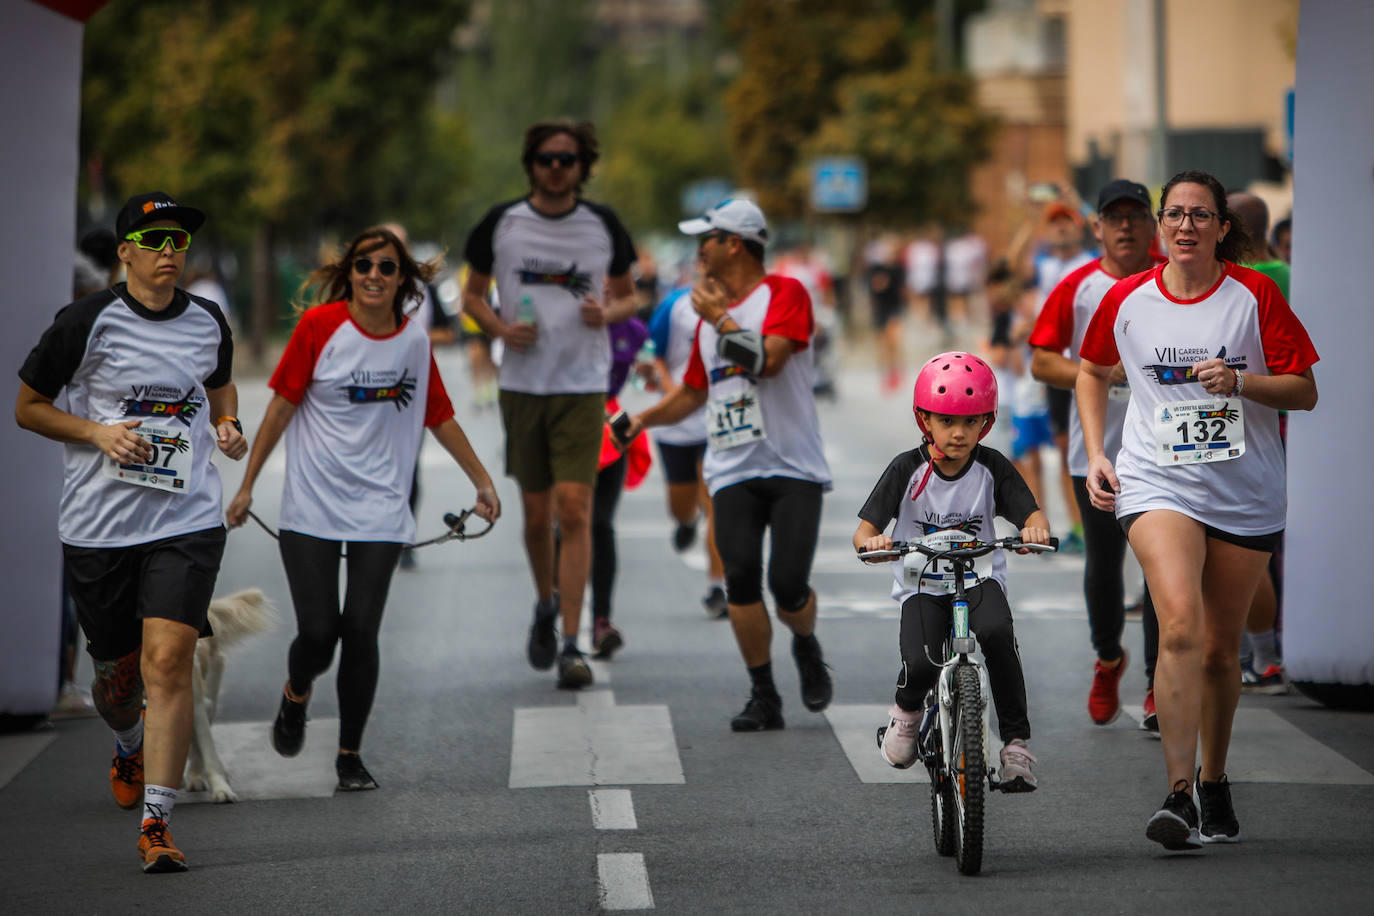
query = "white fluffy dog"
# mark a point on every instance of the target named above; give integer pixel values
(233, 618)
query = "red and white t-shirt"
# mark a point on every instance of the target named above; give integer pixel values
(791, 442)
(362, 404)
(1158, 338)
(1060, 327)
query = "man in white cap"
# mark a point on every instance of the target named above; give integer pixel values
(765, 467)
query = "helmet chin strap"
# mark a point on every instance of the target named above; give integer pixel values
(935, 455)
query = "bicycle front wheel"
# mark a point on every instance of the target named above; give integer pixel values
(969, 769)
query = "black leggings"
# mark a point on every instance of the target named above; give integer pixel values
(926, 621)
(312, 571)
(610, 481)
(1104, 588)
(791, 510)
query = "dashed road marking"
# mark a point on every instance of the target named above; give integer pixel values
(624, 881)
(612, 809)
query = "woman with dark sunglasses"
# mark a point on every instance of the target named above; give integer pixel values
(355, 389)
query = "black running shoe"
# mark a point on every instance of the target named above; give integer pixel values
(573, 671)
(816, 688)
(1219, 824)
(715, 603)
(543, 644)
(353, 776)
(761, 713)
(684, 536)
(288, 731)
(1174, 825)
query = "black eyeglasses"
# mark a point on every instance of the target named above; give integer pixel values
(1133, 215)
(1173, 217)
(363, 266)
(549, 160)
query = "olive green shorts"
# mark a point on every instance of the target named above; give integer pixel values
(552, 438)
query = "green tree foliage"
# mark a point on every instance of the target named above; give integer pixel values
(818, 77)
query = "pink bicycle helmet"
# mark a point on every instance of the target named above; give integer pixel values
(958, 384)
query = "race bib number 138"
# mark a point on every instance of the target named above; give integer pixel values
(170, 467)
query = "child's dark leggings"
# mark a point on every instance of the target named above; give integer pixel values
(312, 571)
(926, 621)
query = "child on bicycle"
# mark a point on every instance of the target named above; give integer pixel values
(951, 481)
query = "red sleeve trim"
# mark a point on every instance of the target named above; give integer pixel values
(291, 379)
(695, 374)
(1054, 327)
(1099, 342)
(789, 311)
(1287, 348)
(438, 408)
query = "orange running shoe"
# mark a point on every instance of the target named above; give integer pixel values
(156, 850)
(126, 778)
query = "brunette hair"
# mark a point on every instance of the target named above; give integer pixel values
(584, 132)
(331, 282)
(1236, 241)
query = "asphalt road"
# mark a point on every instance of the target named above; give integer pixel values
(501, 794)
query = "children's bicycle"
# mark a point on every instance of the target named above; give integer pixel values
(952, 738)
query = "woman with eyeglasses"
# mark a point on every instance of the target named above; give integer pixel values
(146, 370)
(1212, 353)
(355, 388)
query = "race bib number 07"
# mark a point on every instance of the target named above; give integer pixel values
(170, 467)
(1199, 432)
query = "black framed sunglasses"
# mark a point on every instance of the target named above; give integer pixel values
(549, 160)
(716, 234)
(363, 266)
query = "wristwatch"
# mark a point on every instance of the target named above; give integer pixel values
(233, 420)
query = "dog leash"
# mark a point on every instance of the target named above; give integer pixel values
(456, 529)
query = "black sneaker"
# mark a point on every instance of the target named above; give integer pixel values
(543, 644)
(715, 603)
(816, 688)
(353, 776)
(1174, 825)
(684, 536)
(1219, 824)
(573, 671)
(288, 731)
(761, 713)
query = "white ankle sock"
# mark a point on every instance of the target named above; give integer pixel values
(130, 739)
(158, 802)
(1266, 653)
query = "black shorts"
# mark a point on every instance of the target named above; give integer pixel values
(115, 588)
(1265, 543)
(1001, 330)
(680, 462)
(1059, 399)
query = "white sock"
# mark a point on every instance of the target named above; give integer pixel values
(1266, 653)
(717, 583)
(158, 802)
(130, 739)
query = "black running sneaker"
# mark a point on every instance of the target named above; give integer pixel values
(353, 776)
(573, 671)
(715, 603)
(684, 536)
(1174, 825)
(816, 688)
(543, 645)
(1219, 824)
(762, 713)
(288, 731)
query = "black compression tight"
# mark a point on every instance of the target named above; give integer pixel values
(1104, 588)
(312, 571)
(791, 511)
(609, 483)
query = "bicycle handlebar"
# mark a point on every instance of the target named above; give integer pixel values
(963, 551)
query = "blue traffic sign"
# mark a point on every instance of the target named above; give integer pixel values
(839, 184)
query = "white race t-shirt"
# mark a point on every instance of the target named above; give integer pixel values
(546, 266)
(362, 403)
(673, 330)
(791, 442)
(1245, 320)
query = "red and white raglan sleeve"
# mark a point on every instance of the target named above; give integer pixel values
(438, 407)
(291, 379)
(1054, 325)
(789, 312)
(695, 374)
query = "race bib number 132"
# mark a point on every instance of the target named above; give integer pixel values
(1198, 432)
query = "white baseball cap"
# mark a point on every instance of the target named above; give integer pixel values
(739, 217)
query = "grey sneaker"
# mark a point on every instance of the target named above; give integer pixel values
(1016, 760)
(573, 671)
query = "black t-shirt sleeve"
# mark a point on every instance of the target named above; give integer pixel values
(224, 362)
(1012, 497)
(882, 504)
(51, 364)
(479, 251)
(438, 318)
(622, 248)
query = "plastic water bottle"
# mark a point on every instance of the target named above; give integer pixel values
(525, 314)
(643, 368)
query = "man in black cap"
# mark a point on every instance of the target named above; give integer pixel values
(146, 371)
(1125, 228)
